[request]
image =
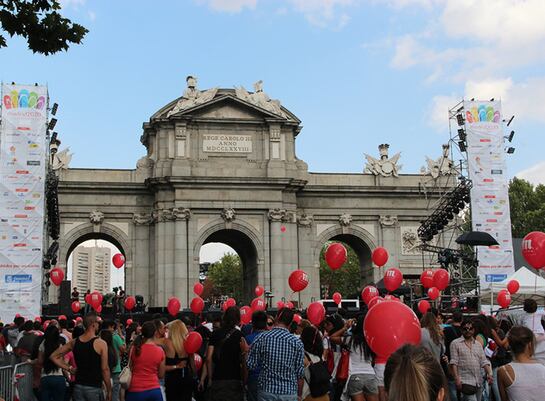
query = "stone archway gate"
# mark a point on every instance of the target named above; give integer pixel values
(225, 159)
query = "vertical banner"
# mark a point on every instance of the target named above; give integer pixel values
(490, 192)
(22, 177)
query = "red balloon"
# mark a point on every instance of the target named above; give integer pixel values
(38, 319)
(258, 304)
(173, 306)
(335, 255)
(118, 260)
(62, 317)
(259, 290)
(130, 303)
(198, 288)
(228, 303)
(196, 305)
(368, 293)
(79, 319)
(56, 275)
(193, 342)
(289, 305)
(297, 318)
(423, 306)
(441, 279)
(95, 300)
(433, 293)
(245, 314)
(280, 305)
(283, 229)
(298, 280)
(380, 256)
(426, 278)
(337, 298)
(98, 309)
(316, 313)
(533, 249)
(129, 322)
(374, 301)
(504, 298)
(76, 306)
(392, 279)
(513, 286)
(389, 325)
(198, 361)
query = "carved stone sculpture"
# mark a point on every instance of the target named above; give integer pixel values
(277, 214)
(181, 213)
(142, 218)
(61, 160)
(144, 163)
(345, 219)
(409, 242)
(260, 99)
(385, 166)
(228, 214)
(387, 220)
(440, 166)
(192, 96)
(96, 217)
(305, 220)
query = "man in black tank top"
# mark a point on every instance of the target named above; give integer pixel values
(91, 355)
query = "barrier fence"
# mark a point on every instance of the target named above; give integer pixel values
(16, 382)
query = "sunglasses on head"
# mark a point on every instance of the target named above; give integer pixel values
(270, 323)
(467, 328)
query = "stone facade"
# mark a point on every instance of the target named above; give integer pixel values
(225, 170)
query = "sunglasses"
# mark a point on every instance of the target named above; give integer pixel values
(467, 328)
(270, 323)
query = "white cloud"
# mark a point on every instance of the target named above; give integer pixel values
(534, 174)
(324, 12)
(438, 111)
(231, 6)
(92, 15)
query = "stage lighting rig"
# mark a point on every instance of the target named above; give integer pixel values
(510, 137)
(460, 119)
(449, 207)
(510, 150)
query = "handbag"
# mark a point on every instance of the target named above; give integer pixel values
(344, 362)
(468, 389)
(125, 376)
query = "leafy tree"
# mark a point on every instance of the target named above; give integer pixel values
(40, 23)
(346, 280)
(527, 207)
(226, 276)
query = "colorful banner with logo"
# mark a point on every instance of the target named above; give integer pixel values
(489, 195)
(22, 177)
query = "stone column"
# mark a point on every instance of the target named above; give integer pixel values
(388, 239)
(160, 296)
(169, 243)
(141, 249)
(181, 262)
(307, 262)
(279, 284)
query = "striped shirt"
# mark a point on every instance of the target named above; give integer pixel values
(280, 355)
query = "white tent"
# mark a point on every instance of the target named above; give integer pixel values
(531, 286)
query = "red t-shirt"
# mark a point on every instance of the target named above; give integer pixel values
(145, 368)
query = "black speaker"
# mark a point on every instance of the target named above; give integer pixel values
(64, 297)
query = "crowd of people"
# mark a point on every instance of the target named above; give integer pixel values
(279, 358)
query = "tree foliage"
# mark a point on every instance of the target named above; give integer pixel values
(226, 277)
(527, 205)
(40, 23)
(346, 280)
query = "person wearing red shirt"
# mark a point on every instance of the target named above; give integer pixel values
(147, 362)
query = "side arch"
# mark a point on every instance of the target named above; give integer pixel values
(89, 231)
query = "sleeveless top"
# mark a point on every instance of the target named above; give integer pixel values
(88, 362)
(529, 382)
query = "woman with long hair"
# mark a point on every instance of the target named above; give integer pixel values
(147, 362)
(413, 374)
(107, 336)
(53, 382)
(524, 378)
(179, 375)
(362, 381)
(432, 336)
(314, 349)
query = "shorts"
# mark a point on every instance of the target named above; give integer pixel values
(379, 373)
(362, 383)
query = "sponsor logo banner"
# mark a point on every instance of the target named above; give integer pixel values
(22, 177)
(489, 195)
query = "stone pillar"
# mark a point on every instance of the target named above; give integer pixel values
(307, 260)
(141, 248)
(279, 280)
(181, 262)
(169, 243)
(389, 240)
(160, 296)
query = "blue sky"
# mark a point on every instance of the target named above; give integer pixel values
(356, 72)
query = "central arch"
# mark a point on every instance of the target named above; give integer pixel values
(245, 241)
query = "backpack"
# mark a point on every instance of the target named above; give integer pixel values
(319, 378)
